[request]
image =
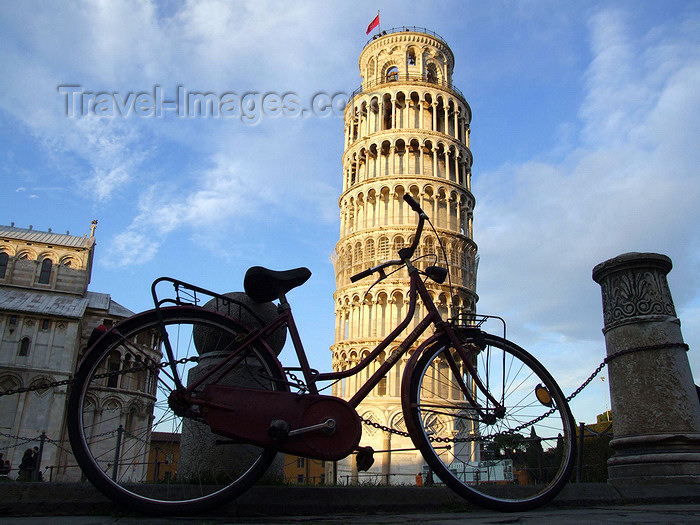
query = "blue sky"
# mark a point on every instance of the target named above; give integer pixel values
(584, 136)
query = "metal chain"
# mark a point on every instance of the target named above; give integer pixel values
(546, 414)
(70, 381)
(300, 384)
(26, 440)
(368, 422)
(41, 386)
(384, 428)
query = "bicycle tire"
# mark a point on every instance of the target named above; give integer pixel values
(519, 462)
(205, 470)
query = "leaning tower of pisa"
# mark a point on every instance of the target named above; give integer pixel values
(406, 131)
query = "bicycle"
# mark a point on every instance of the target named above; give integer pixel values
(489, 420)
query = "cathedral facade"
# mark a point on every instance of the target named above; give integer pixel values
(406, 132)
(46, 317)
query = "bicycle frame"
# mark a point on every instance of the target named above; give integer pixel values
(312, 377)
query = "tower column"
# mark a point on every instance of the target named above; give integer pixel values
(456, 123)
(456, 166)
(392, 160)
(435, 163)
(421, 156)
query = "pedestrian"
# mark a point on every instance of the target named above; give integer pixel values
(419, 480)
(26, 466)
(36, 472)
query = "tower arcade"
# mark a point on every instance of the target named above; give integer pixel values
(406, 131)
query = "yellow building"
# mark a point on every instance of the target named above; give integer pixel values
(163, 456)
(406, 132)
(304, 471)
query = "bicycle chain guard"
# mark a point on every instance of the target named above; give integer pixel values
(269, 419)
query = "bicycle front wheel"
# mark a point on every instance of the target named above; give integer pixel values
(133, 439)
(512, 459)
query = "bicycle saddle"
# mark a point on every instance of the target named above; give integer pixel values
(263, 285)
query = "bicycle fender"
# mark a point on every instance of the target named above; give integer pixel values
(433, 340)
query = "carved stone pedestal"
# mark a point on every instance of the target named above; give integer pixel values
(654, 402)
(202, 456)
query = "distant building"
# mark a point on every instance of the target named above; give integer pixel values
(46, 317)
(304, 471)
(163, 456)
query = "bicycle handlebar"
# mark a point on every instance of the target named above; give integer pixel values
(362, 274)
(404, 253)
(412, 203)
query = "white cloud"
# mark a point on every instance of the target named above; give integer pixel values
(632, 186)
(207, 200)
(133, 45)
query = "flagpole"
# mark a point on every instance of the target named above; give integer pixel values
(379, 24)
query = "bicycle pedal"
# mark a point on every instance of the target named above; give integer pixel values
(364, 458)
(279, 429)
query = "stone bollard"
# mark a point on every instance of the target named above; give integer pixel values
(201, 455)
(654, 403)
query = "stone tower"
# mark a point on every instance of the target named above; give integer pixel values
(406, 131)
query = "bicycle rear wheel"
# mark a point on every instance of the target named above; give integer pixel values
(155, 455)
(514, 461)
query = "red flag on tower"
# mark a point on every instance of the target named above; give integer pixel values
(374, 23)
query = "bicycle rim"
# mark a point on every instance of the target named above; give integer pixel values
(129, 440)
(517, 461)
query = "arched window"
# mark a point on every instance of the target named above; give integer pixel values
(358, 254)
(113, 365)
(4, 259)
(8, 404)
(369, 251)
(398, 243)
(431, 73)
(381, 387)
(392, 74)
(132, 419)
(45, 274)
(383, 249)
(370, 71)
(24, 346)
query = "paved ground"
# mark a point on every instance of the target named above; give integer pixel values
(642, 514)
(80, 504)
